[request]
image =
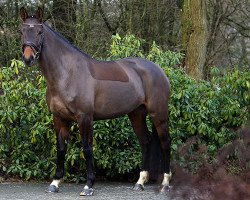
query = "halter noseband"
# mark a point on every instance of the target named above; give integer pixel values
(37, 49)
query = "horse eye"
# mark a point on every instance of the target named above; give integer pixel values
(39, 32)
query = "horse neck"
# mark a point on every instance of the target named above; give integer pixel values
(55, 56)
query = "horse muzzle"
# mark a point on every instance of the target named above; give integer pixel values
(30, 54)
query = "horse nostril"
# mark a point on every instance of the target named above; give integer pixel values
(28, 61)
(26, 57)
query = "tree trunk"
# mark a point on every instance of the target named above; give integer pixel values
(194, 37)
(64, 17)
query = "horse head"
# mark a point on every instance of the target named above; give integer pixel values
(32, 35)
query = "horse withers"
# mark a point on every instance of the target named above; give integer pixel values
(83, 89)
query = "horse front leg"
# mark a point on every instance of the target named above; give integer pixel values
(85, 122)
(62, 134)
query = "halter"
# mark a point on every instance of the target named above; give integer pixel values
(37, 49)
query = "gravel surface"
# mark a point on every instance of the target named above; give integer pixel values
(107, 191)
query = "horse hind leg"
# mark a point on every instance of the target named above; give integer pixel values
(62, 134)
(138, 121)
(160, 123)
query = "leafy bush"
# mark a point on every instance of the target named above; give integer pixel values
(25, 123)
(211, 110)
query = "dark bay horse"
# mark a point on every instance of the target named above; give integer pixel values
(82, 89)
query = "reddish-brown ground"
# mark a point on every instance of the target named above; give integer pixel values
(226, 179)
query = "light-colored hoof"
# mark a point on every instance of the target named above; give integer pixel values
(138, 187)
(53, 189)
(87, 192)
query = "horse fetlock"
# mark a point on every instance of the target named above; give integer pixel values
(56, 182)
(165, 183)
(139, 186)
(143, 177)
(166, 179)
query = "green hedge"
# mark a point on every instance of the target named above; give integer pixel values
(212, 110)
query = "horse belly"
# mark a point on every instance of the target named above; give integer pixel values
(117, 99)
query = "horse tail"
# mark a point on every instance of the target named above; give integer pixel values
(155, 164)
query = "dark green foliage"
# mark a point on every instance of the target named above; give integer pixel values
(211, 111)
(115, 146)
(25, 124)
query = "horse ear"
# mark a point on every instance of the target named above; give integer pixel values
(23, 13)
(39, 14)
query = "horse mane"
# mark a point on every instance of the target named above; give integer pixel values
(65, 40)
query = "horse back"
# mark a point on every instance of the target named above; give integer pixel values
(107, 70)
